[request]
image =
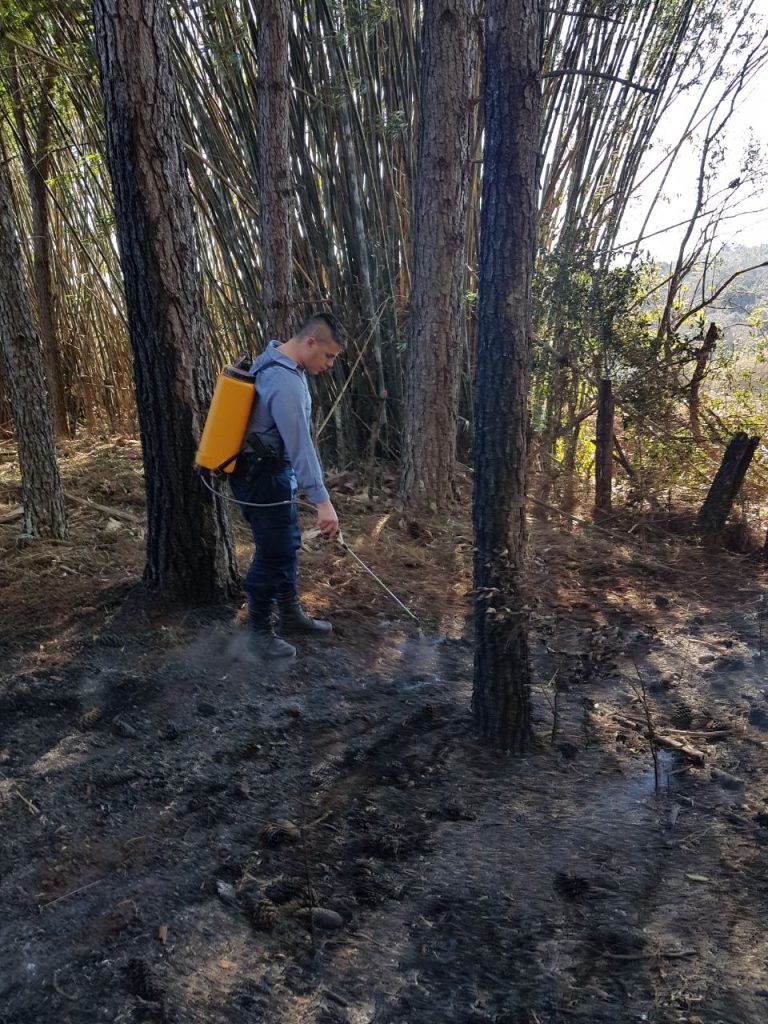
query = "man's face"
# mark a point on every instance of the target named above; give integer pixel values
(320, 354)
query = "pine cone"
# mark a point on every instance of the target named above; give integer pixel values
(278, 832)
(393, 772)
(171, 732)
(290, 887)
(111, 640)
(682, 716)
(571, 886)
(116, 777)
(387, 845)
(320, 917)
(328, 1015)
(367, 892)
(140, 980)
(371, 888)
(455, 810)
(91, 718)
(262, 914)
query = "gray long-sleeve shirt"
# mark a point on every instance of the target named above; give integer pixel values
(282, 415)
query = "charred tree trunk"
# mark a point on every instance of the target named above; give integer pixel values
(189, 546)
(704, 355)
(622, 458)
(434, 349)
(21, 361)
(501, 697)
(275, 167)
(727, 483)
(604, 448)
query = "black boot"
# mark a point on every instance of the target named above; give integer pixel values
(265, 643)
(294, 621)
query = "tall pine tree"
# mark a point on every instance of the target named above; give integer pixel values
(21, 362)
(501, 698)
(436, 317)
(189, 546)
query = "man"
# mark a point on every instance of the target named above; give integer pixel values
(279, 457)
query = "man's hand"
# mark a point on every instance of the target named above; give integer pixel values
(327, 520)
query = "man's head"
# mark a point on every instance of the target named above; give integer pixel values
(318, 342)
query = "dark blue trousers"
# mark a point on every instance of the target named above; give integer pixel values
(275, 530)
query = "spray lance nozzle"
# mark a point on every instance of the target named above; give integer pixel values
(343, 544)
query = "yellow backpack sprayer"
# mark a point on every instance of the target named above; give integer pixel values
(227, 419)
(224, 435)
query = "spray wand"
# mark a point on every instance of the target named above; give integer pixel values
(342, 543)
(339, 540)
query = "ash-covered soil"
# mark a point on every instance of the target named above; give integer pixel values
(190, 836)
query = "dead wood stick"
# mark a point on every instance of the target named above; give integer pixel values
(576, 519)
(33, 808)
(703, 733)
(13, 515)
(671, 954)
(719, 733)
(663, 741)
(116, 512)
(370, 938)
(74, 892)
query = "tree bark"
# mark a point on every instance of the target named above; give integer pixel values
(37, 161)
(727, 483)
(622, 459)
(357, 241)
(604, 448)
(275, 168)
(21, 360)
(568, 499)
(189, 546)
(433, 353)
(501, 697)
(703, 357)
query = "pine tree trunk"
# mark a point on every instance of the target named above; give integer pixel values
(727, 483)
(501, 698)
(275, 167)
(21, 360)
(568, 500)
(358, 244)
(36, 160)
(604, 448)
(189, 547)
(435, 330)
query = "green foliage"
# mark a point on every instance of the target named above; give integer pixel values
(593, 322)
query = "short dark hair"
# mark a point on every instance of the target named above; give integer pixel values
(328, 320)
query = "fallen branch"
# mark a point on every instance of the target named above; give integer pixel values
(717, 734)
(709, 733)
(663, 741)
(66, 895)
(32, 807)
(670, 954)
(13, 515)
(582, 522)
(129, 517)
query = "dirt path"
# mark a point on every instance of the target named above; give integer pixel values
(146, 759)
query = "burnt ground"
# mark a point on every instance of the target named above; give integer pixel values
(174, 812)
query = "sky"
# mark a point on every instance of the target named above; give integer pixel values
(750, 226)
